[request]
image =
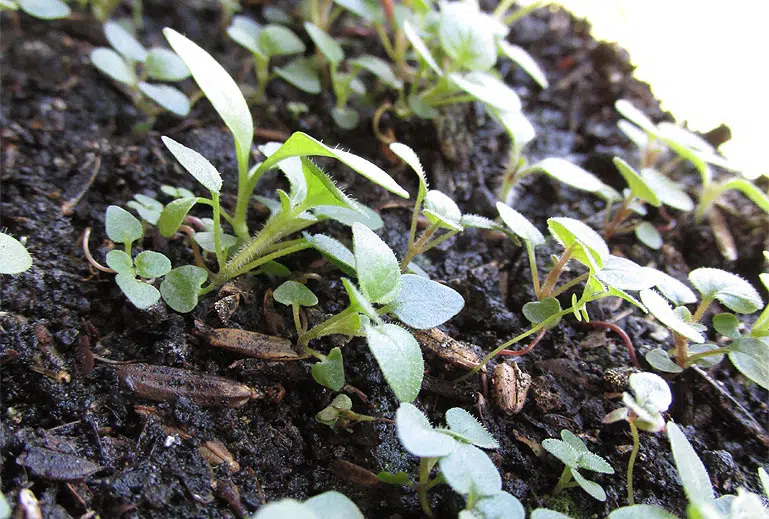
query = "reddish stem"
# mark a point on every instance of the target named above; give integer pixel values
(527, 349)
(622, 333)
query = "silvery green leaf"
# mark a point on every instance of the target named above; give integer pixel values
(660, 360)
(376, 265)
(568, 173)
(520, 225)
(544, 513)
(345, 117)
(690, 468)
(206, 241)
(730, 289)
(747, 504)
(325, 43)
(379, 67)
(408, 156)
(636, 183)
(465, 37)
(196, 164)
(245, 32)
(142, 295)
(151, 264)
(468, 470)
(173, 215)
(120, 262)
(478, 222)
(684, 137)
(662, 311)
(364, 215)
(420, 47)
(517, 126)
(562, 450)
(170, 98)
(439, 208)
(651, 392)
(124, 42)
(177, 192)
(276, 40)
(302, 73)
(45, 9)
(333, 250)
(466, 427)
(595, 463)
(180, 287)
(625, 274)
(487, 89)
(589, 248)
(641, 512)
(112, 64)
(591, 487)
(751, 357)
(285, 508)
(636, 116)
(294, 293)
(648, 235)
(422, 303)
(500, 506)
(634, 133)
(122, 226)
(165, 65)
(574, 441)
(525, 61)
(678, 293)
(399, 357)
(147, 207)
(668, 192)
(418, 436)
(359, 301)
(220, 89)
(332, 505)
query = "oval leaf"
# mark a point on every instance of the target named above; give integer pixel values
(691, 470)
(181, 286)
(173, 215)
(466, 427)
(150, 264)
(468, 470)
(378, 270)
(331, 505)
(751, 357)
(330, 371)
(124, 42)
(590, 248)
(122, 226)
(112, 64)
(165, 65)
(487, 89)
(196, 164)
(325, 43)
(142, 295)
(636, 184)
(422, 303)
(399, 357)
(170, 98)
(730, 289)
(520, 225)
(294, 293)
(14, 257)
(525, 61)
(568, 173)
(418, 436)
(302, 73)
(662, 311)
(45, 10)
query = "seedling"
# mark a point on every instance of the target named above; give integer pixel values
(648, 398)
(130, 64)
(295, 295)
(461, 463)
(339, 414)
(45, 10)
(329, 504)
(14, 257)
(575, 455)
(749, 354)
(311, 191)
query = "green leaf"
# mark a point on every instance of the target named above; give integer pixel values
(685, 144)
(641, 512)
(420, 47)
(468, 470)
(422, 303)
(301, 144)
(120, 262)
(520, 225)
(660, 360)
(378, 270)
(564, 171)
(345, 117)
(334, 250)
(465, 37)
(332, 505)
(294, 293)
(421, 107)
(148, 208)
(369, 10)
(220, 89)
(466, 427)
(500, 506)
(418, 436)
(487, 89)
(591, 487)
(408, 156)
(379, 67)
(177, 192)
(245, 32)
(544, 513)
(747, 188)
(124, 42)
(14, 257)
(168, 97)
(302, 73)
(45, 9)
(363, 215)
(662, 311)
(150, 264)
(165, 65)
(330, 371)
(478, 222)
(636, 116)
(399, 478)
(276, 40)
(206, 241)
(650, 397)
(359, 301)
(181, 287)
(399, 357)
(325, 43)
(690, 468)
(141, 294)
(637, 185)
(709, 361)
(122, 226)
(751, 357)
(728, 325)
(285, 508)
(525, 61)
(730, 289)
(648, 235)
(624, 274)
(539, 311)
(517, 126)
(439, 208)
(678, 293)
(589, 247)
(562, 450)
(595, 463)
(173, 215)
(196, 164)
(667, 191)
(112, 64)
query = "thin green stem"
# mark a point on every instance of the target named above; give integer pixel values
(562, 481)
(297, 320)
(269, 257)
(534, 271)
(692, 359)
(262, 75)
(222, 212)
(418, 247)
(439, 240)
(631, 462)
(566, 286)
(463, 98)
(502, 8)
(244, 194)
(425, 466)
(220, 257)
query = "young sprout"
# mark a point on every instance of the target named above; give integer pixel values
(120, 64)
(43, 10)
(648, 398)
(329, 504)
(339, 414)
(575, 455)
(14, 257)
(295, 295)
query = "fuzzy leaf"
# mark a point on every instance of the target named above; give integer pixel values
(325, 43)
(465, 36)
(168, 97)
(45, 10)
(285, 508)
(564, 171)
(148, 208)
(667, 191)
(329, 372)
(591, 487)
(120, 262)
(648, 235)
(422, 303)
(334, 250)
(302, 73)
(124, 42)
(181, 286)
(520, 225)
(662, 311)
(637, 185)
(206, 241)
(467, 428)
(14, 257)
(150, 264)
(439, 208)
(562, 450)
(731, 290)
(691, 470)
(678, 293)
(165, 65)
(220, 89)
(420, 47)
(332, 505)
(363, 215)
(487, 89)
(625, 274)
(142, 295)
(321, 189)
(500, 506)
(418, 436)
(294, 293)
(660, 360)
(376, 265)
(122, 226)
(524, 60)
(544, 513)
(651, 395)
(751, 357)
(196, 164)
(276, 40)
(408, 156)
(112, 64)
(379, 67)
(399, 357)
(359, 301)
(589, 247)
(728, 325)
(636, 116)
(177, 192)
(173, 215)
(641, 512)
(468, 470)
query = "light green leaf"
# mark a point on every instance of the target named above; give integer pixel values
(206, 241)
(400, 478)
(624, 274)
(245, 32)
(589, 247)
(525, 61)
(14, 257)
(165, 65)
(276, 40)
(487, 89)
(591, 487)
(325, 43)
(544, 513)
(637, 185)
(376, 265)
(467, 428)
(478, 222)
(379, 67)
(651, 396)
(196, 164)
(177, 192)
(520, 225)
(359, 301)
(636, 116)
(148, 208)
(562, 450)
(170, 98)
(112, 64)
(330, 372)
(465, 37)
(345, 117)
(691, 470)
(641, 512)
(150, 264)
(332, 505)
(421, 107)
(122, 226)
(468, 470)
(751, 357)
(728, 325)
(568, 173)
(662, 311)
(220, 89)
(747, 188)
(294, 293)
(764, 478)
(173, 215)
(648, 235)
(302, 73)
(45, 9)
(181, 287)
(660, 360)
(422, 303)
(517, 126)
(539, 311)
(120, 262)
(124, 42)
(420, 47)
(344, 215)
(439, 208)
(595, 463)
(408, 156)
(285, 508)
(399, 357)
(678, 293)
(500, 506)
(142, 295)
(418, 436)
(667, 191)
(730, 289)
(334, 250)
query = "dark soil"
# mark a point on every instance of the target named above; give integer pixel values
(90, 445)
